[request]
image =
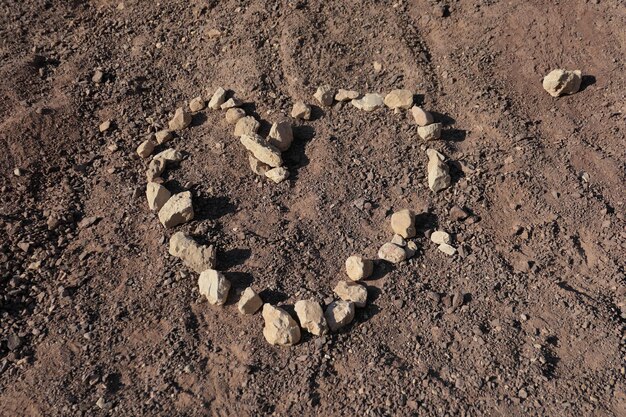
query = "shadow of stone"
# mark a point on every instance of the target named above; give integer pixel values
(273, 297)
(233, 257)
(316, 113)
(212, 208)
(453, 135)
(295, 157)
(198, 119)
(238, 282)
(456, 172)
(587, 81)
(426, 221)
(445, 119)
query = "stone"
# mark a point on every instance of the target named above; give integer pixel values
(234, 115)
(197, 104)
(378, 67)
(311, 317)
(403, 223)
(262, 150)
(351, 291)
(98, 76)
(218, 98)
(145, 148)
(398, 240)
(429, 132)
(447, 249)
(280, 328)
(169, 156)
(177, 210)
(440, 237)
(421, 116)
(346, 95)
(325, 94)
(250, 302)
(194, 255)
(438, 171)
(181, 120)
(410, 249)
(392, 253)
(281, 135)
(155, 169)
(277, 175)
(163, 136)
(561, 82)
(399, 99)
(231, 103)
(214, 286)
(257, 166)
(458, 214)
(212, 33)
(358, 268)
(247, 126)
(301, 111)
(369, 102)
(104, 126)
(339, 314)
(157, 195)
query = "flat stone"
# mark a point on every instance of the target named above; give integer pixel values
(181, 120)
(231, 103)
(421, 116)
(369, 102)
(301, 111)
(429, 132)
(447, 249)
(262, 150)
(346, 95)
(104, 126)
(170, 156)
(399, 99)
(197, 104)
(392, 253)
(247, 125)
(157, 195)
(145, 148)
(196, 256)
(561, 82)
(280, 328)
(163, 136)
(440, 237)
(218, 98)
(438, 171)
(325, 94)
(311, 317)
(234, 115)
(277, 175)
(214, 286)
(403, 223)
(351, 291)
(339, 314)
(281, 135)
(358, 268)
(250, 302)
(257, 166)
(177, 210)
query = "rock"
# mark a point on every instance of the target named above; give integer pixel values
(155, 169)
(145, 149)
(249, 302)
(88, 222)
(301, 111)
(14, 342)
(440, 237)
(196, 256)
(257, 166)
(97, 77)
(403, 223)
(281, 135)
(429, 132)
(339, 314)
(163, 136)
(410, 249)
(157, 196)
(235, 114)
(197, 104)
(378, 67)
(392, 253)
(398, 240)
(458, 214)
(560, 82)
(277, 175)
(18, 172)
(104, 126)
(169, 156)
(351, 291)
(212, 33)
(181, 120)
(359, 268)
(214, 286)
(177, 210)
(346, 95)
(369, 102)
(447, 249)
(438, 171)
(280, 328)
(325, 94)
(218, 98)
(231, 103)
(262, 150)
(311, 317)
(421, 116)
(247, 126)
(399, 99)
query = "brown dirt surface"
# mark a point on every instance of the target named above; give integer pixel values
(96, 318)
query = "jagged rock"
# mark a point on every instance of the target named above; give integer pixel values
(247, 125)
(104, 126)
(196, 256)
(235, 114)
(197, 104)
(280, 328)
(421, 116)
(262, 150)
(399, 99)
(157, 195)
(257, 166)
(403, 223)
(438, 171)
(181, 120)
(559, 82)
(177, 210)
(163, 136)
(339, 314)
(301, 111)
(440, 237)
(369, 102)
(359, 268)
(351, 291)
(145, 149)
(214, 286)
(155, 169)
(325, 95)
(218, 98)
(230, 103)
(250, 302)
(281, 135)
(346, 95)
(169, 156)
(429, 132)
(311, 317)
(277, 175)
(392, 253)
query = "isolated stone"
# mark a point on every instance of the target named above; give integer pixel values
(247, 125)
(234, 114)
(325, 94)
(157, 195)
(231, 103)
(339, 314)
(98, 76)
(301, 111)
(359, 268)
(351, 291)
(440, 237)
(177, 210)
(399, 99)
(196, 256)
(560, 82)
(391, 253)
(197, 104)
(346, 95)
(438, 171)
(281, 135)
(447, 249)
(212, 33)
(429, 132)
(218, 98)
(280, 328)
(262, 150)
(181, 120)
(169, 155)
(369, 102)
(145, 148)
(403, 223)
(311, 317)
(277, 175)
(249, 302)
(163, 136)
(214, 286)
(104, 126)
(257, 166)
(421, 116)
(155, 169)
(457, 213)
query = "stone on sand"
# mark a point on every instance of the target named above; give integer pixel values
(421, 116)
(561, 82)
(247, 125)
(163, 136)
(280, 328)
(262, 150)
(249, 302)
(440, 237)
(325, 94)
(301, 111)
(196, 256)
(339, 314)
(392, 253)
(281, 135)
(231, 103)
(155, 169)
(233, 115)
(311, 317)
(369, 102)
(346, 95)
(429, 132)
(399, 99)
(218, 98)
(257, 166)
(278, 174)
(181, 120)
(438, 171)
(359, 268)
(157, 195)
(351, 291)
(214, 286)
(197, 104)
(145, 148)
(177, 210)
(403, 223)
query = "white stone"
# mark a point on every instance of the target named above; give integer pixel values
(157, 196)
(249, 302)
(358, 268)
(351, 291)
(421, 116)
(214, 286)
(369, 102)
(262, 150)
(346, 95)
(145, 149)
(280, 328)
(230, 103)
(218, 98)
(104, 126)
(447, 249)
(325, 94)
(399, 99)
(247, 125)
(277, 175)
(339, 314)
(281, 135)
(392, 253)
(233, 115)
(257, 166)
(438, 171)
(155, 169)
(429, 132)
(169, 155)
(398, 240)
(177, 210)
(403, 223)
(196, 256)
(163, 136)
(181, 120)
(301, 111)
(560, 82)
(440, 237)
(197, 104)
(311, 317)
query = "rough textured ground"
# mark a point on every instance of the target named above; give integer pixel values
(101, 311)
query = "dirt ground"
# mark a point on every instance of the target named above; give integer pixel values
(97, 318)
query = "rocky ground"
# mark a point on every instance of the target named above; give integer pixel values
(526, 318)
